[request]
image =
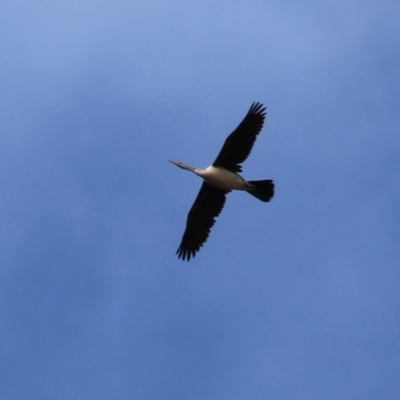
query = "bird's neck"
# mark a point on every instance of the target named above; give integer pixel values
(198, 171)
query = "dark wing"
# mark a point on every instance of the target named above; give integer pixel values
(239, 143)
(201, 218)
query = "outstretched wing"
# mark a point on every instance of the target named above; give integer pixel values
(201, 218)
(239, 143)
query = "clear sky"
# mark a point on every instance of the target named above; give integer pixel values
(295, 299)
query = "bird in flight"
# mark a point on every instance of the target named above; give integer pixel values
(220, 178)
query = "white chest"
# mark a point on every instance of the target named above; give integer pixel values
(222, 178)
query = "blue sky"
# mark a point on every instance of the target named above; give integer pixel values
(295, 299)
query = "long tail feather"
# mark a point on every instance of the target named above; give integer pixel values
(263, 190)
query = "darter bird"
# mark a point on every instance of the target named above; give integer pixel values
(220, 178)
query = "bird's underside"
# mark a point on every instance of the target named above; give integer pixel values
(220, 179)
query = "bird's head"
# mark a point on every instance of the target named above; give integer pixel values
(182, 165)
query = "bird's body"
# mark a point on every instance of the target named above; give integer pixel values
(220, 178)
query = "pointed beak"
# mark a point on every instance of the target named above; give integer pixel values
(182, 166)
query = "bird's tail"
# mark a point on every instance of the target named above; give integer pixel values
(263, 190)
